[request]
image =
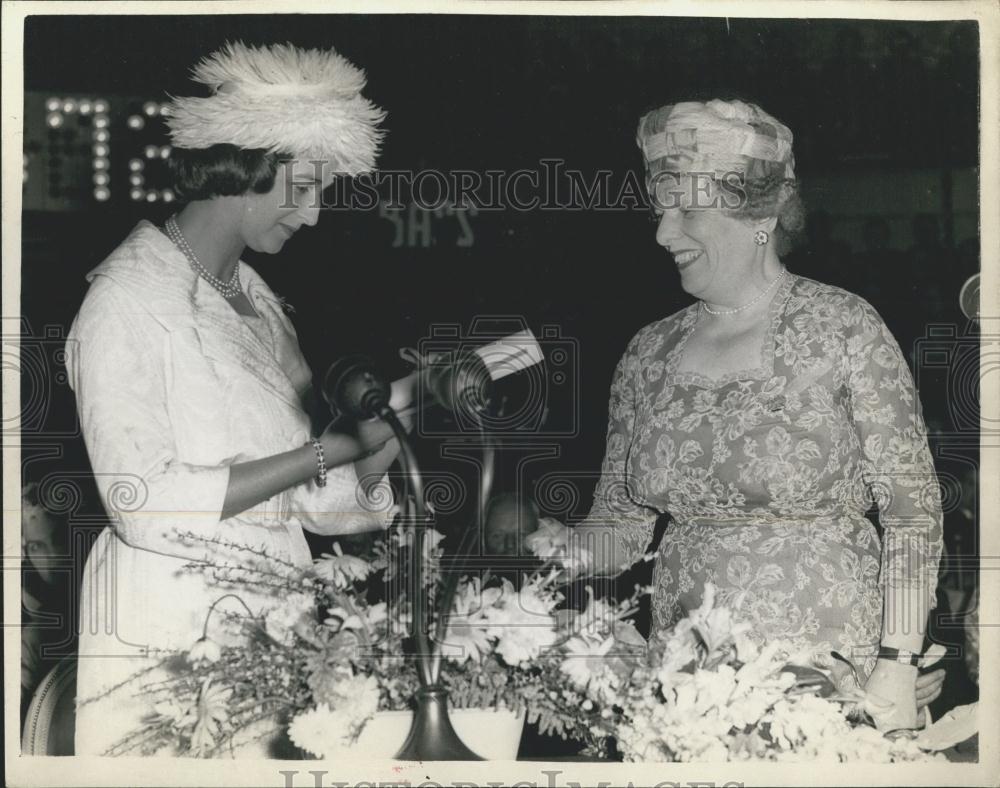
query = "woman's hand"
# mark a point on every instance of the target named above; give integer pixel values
(370, 437)
(929, 686)
(892, 687)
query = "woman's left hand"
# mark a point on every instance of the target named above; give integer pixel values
(892, 688)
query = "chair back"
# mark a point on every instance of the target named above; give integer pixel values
(50, 723)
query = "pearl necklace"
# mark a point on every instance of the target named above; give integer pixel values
(749, 303)
(229, 289)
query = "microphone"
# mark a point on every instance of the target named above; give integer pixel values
(459, 381)
(355, 387)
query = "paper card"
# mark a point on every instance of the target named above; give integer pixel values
(512, 354)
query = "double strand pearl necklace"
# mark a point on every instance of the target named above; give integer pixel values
(749, 303)
(229, 289)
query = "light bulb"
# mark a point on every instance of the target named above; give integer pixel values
(100, 149)
(100, 106)
(69, 106)
(136, 165)
(136, 194)
(101, 121)
(100, 164)
(151, 151)
(53, 104)
(54, 120)
(101, 135)
(136, 179)
(102, 193)
(85, 107)
(101, 178)
(136, 122)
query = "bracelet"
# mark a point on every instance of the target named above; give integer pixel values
(901, 655)
(320, 463)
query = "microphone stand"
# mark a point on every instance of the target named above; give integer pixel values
(432, 736)
(356, 387)
(468, 541)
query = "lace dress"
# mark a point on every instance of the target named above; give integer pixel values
(767, 473)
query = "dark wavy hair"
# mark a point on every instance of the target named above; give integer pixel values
(223, 170)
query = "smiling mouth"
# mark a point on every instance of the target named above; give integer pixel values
(685, 258)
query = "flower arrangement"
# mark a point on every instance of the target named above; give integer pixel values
(319, 666)
(324, 660)
(707, 692)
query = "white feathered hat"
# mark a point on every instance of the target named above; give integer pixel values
(306, 102)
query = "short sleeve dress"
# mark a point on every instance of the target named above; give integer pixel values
(767, 474)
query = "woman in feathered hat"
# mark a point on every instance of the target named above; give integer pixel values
(189, 379)
(766, 418)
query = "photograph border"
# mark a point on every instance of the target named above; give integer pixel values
(77, 770)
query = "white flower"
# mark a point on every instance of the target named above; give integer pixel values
(598, 618)
(432, 538)
(473, 600)
(341, 570)
(467, 638)
(322, 731)
(204, 650)
(553, 541)
(585, 658)
(282, 621)
(468, 635)
(182, 716)
(340, 619)
(377, 613)
(213, 711)
(330, 729)
(522, 622)
(550, 540)
(357, 699)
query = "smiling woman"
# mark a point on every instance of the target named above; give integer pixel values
(766, 418)
(192, 391)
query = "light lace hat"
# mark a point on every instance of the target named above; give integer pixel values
(281, 98)
(718, 138)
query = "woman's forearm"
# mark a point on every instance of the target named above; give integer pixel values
(904, 617)
(253, 482)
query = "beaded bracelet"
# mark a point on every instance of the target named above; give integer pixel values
(320, 463)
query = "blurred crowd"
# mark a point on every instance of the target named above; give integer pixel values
(912, 285)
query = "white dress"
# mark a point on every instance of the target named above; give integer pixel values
(172, 387)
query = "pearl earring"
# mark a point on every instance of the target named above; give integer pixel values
(761, 237)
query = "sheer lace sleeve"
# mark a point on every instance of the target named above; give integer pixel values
(618, 529)
(895, 459)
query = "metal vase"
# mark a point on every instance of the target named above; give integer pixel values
(432, 737)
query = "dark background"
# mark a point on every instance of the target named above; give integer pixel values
(885, 105)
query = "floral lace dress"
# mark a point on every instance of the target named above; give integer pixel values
(767, 473)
